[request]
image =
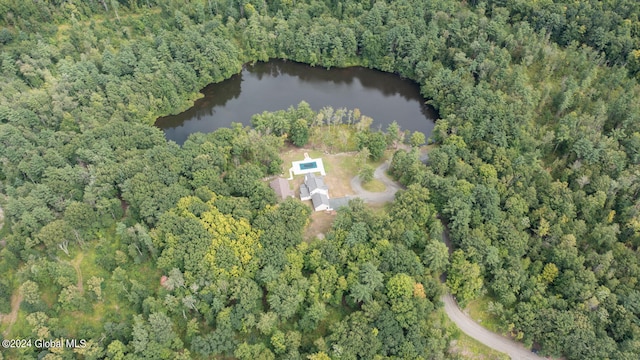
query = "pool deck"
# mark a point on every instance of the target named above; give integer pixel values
(296, 168)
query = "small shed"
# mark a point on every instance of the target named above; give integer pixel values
(281, 187)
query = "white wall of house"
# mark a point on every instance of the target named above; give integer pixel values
(322, 207)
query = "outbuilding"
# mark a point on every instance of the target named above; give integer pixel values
(281, 187)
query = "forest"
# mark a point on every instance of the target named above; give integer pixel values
(150, 250)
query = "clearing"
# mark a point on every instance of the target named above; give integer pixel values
(319, 224)
(10, 318)
(339, 168)
(479, 311)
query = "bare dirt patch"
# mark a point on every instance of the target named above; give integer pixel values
(319, 223)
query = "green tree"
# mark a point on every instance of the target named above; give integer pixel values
(393, 134)
(436, 256)
(366, 173)
(464, 279)
(417, 139)
(377, 144)
(300, 132)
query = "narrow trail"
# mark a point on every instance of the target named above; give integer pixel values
(10, 318)
(466, 324)
(76, 265)
(1, 218)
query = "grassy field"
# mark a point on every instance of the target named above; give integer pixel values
(340, 168)
(470, 348)
(333, 139)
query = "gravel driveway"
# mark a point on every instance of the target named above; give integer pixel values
(495, 341)
(377, 197)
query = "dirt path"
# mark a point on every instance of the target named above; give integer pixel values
(1, 218)
(377, 197)
(10, 318)
(76, 265)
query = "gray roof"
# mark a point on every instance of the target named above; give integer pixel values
(319, 199)
(314, 182)
(281, 187)
(337, 203)
(304, 191)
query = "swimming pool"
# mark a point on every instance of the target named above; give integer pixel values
(308, 166)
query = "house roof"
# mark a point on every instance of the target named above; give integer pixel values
(319, 199)
(281, 187)
(337, 203)
(314, 182)
(304, 191)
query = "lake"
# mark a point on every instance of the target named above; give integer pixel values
(278, 84)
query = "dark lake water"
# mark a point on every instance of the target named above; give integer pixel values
(278, 84)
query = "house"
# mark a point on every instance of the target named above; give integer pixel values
(281, 187)
(312, 185)
(320, 202)
(317, 191)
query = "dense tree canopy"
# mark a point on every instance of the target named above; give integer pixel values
(535, 173)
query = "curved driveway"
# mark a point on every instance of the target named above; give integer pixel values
(495, 341)
(391, 187)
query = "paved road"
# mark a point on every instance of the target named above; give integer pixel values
(377, 197)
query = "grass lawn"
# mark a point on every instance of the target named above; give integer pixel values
(470, 348)
(374, 185)
(333, 139)
(340, 169)
(479, 311)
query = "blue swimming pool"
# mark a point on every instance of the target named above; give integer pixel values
(308, 166)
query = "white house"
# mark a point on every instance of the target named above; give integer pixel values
(316, 190)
